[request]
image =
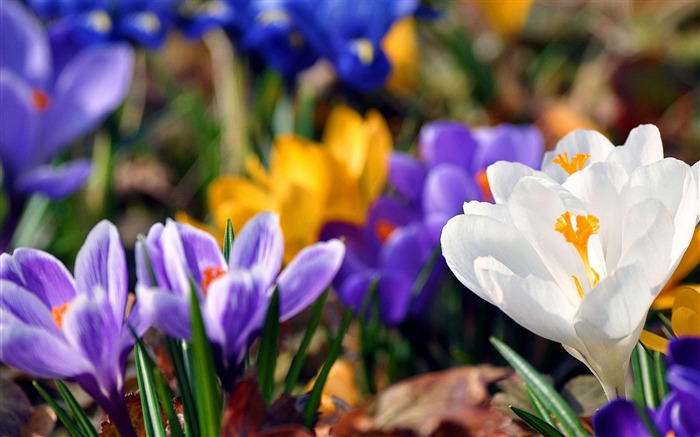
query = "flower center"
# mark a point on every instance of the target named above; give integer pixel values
(363, 48)
(483, 182)
(586, 225)
(383, 229)
(58, 312)
(208, 276)
(100, 21)
(40, 99)
(571, 166)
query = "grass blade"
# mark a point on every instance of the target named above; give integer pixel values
(539, 408)
(152, 418)
(189, 406)
(81, 418)
(550, 399)
(167, 404)
(314, 399)
(536, 423)
(208, 398)
(269, 345)
(228, 239)
(644, 384)
(298, 360)
(62, 414)
(660, 372)
(369, 331)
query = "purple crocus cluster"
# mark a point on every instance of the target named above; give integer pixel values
(51, 95)
(402, 233)
(234, 296)
(678, 415)
(54, 325)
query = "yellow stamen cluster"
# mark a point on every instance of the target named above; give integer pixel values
(100, 21)
(208, 276)
(586, 225)
(58, 312)
(364, 50)
(571, 166)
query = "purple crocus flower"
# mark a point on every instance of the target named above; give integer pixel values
(678, 415)
(403, 229)
(47, 102)
(55, 326)
(234, 296)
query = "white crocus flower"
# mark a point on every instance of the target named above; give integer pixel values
(580, 262)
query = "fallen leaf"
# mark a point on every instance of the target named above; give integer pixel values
(245, 412)
(41, 422)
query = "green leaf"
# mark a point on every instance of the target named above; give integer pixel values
(314, 399)
(644, 385)
(267, 352)
(189, 405)
(152, 418)
(550, 399)
(166, 403)
(207, 392)
(228, 240)
(62, 414)
(82, 419)
(298, 360)
(660, 372)
(539, 408)
(536, 423)
(369, 332)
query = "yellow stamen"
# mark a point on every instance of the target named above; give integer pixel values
(58, 312)
(100, 21)
(364, 50)
(578, 286)
(383, 229)
(40, 99)
(482, 181)
(208, 276)
(586, 225)
(576, 163)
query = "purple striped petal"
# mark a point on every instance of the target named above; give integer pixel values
(235, 307)
(166, 311)
(25, 49)
(37, 352)
(447, 142)
(307, 275)
(259, 244)
(394, 293)
(405, 252)
(507, 142)
(406, 175)
(101, 262)
(446, 189)
(91, 86)
(55, 182)
(201, 250)
(26, 307)
(41, 273)
(149, 258)
(619, 418)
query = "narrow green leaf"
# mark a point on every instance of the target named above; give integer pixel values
(189, 406)
(82, 419)
(550, 399)
(314, 399)
(228, 239)
(269, 345)
(536, 423)
(644, 384)
(539, 408)
(166, 403)
(206, 385)
(62, 414)
(152, 418)
(425, 272)
(369, 331)
(660, 372)
(298, 360)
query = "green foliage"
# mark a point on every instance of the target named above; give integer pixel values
(536, 423)
(269, 345)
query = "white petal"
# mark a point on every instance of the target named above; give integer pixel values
(468, 237)
(643, 146)
(536, 304)
(696, 173)
(503, 176)
(498, 211)
(579, 141)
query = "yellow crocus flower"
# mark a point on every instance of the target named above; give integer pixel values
(401, 47)
(308, 183)
(690, 261)
(685, 319)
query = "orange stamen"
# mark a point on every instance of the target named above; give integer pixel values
(40, 99)
(208, 276)
(58, 312)
(586, 225)
(575, 164)
(483, 182)
(383, 229)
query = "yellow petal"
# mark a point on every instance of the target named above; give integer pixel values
(401, 47)
(685, 318)
(341, 383)
(506, 17)
(238, 199)
(301, 218)
(346, 139)
(297, 161)
(690, 261)
(256, 171)
(654, 342)
(377, 166)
